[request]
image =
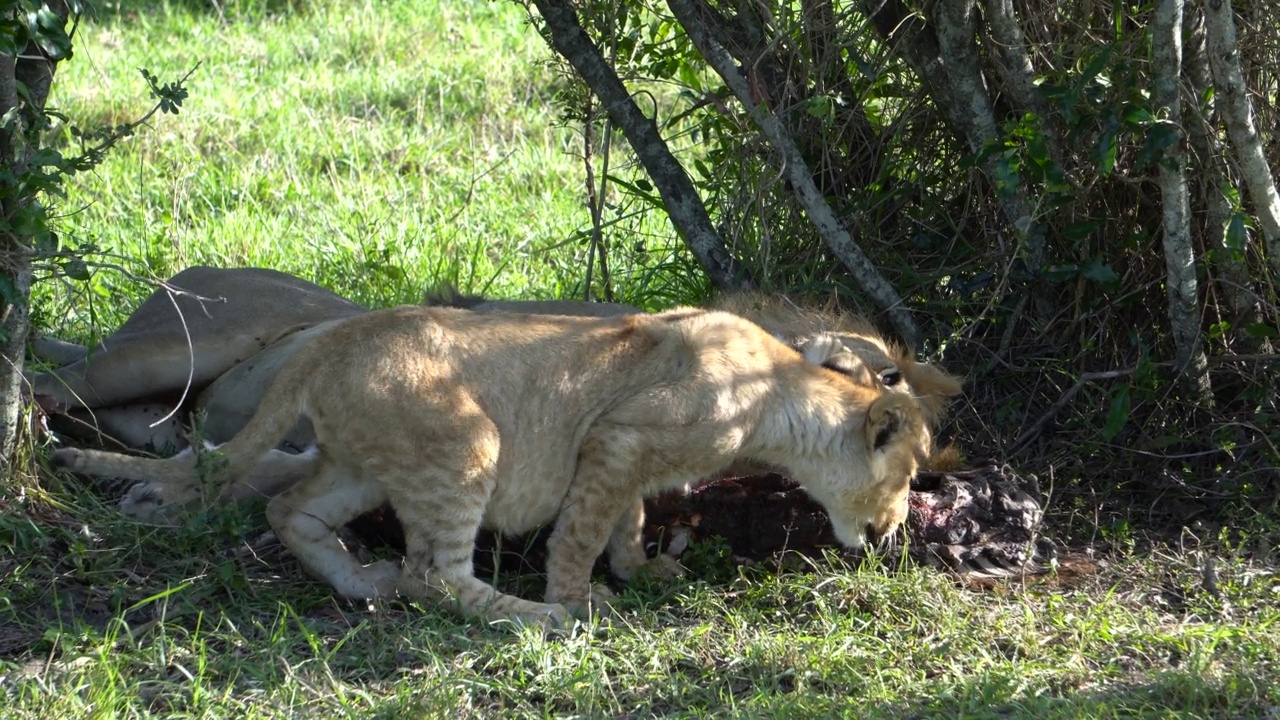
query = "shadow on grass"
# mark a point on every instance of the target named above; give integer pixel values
(1239, 692)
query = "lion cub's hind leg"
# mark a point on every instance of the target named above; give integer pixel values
(306, 516)
(604, 508)
(441, 510)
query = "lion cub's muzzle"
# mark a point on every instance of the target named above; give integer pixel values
(872, 514)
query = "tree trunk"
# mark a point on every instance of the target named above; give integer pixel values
(1016, 72)
(33, 70)
(1232, 274)
(1179, 254)
(956, 22)
(683, 205)
(1232, 98)
(15, 321)
(838, 239)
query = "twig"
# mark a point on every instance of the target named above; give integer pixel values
(1036, 428)
(171, 289)
(471, 186)
(191, 366)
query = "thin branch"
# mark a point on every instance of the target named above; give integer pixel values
(191, 365)
(837, 237)
(680, 198)
(1038, 426)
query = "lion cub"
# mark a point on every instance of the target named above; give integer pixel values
(464, 420)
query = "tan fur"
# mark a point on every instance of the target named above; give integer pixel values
(890, 363)
(463, 420)
(931, 386)
(149, 356)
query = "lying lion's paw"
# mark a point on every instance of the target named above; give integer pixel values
(155, 501)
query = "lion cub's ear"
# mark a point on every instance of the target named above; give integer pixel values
(933, 387)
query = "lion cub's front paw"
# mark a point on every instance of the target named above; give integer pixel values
(157, 501)
(553, 618)
(663, 567)
(596, 602)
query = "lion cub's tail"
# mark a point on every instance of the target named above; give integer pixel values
(276, 415)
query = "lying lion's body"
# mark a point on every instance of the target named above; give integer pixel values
(463, 420)
(176, 344)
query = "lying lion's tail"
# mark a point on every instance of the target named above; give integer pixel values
(276, 415)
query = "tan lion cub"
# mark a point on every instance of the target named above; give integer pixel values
(464, 420)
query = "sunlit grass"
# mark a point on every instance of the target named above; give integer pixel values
(374, 147)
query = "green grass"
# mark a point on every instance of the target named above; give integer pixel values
(376, 147)
(104, 618)
(380, 147)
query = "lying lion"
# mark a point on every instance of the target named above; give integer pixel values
(463, 420)
(212, 349)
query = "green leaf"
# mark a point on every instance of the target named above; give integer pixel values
(689, 76)
(1118, 413)
(821, 107)
(47, 157)
(1234, 235)
(1105, 152)
(1260, 330)
(76, 269)
(1095, 66)
(1160, 137)
(10, 39)
(49, 32)
(1099, 272)
(1078, 232)
(29, 220)
(1138, 115)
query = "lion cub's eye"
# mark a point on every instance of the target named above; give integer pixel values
(890, 377)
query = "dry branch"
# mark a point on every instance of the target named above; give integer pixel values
(836, 236)
(683, 205)
(1232, 97)
(1179, 253)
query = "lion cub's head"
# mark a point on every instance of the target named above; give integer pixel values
(893, 436)
(859, 351)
